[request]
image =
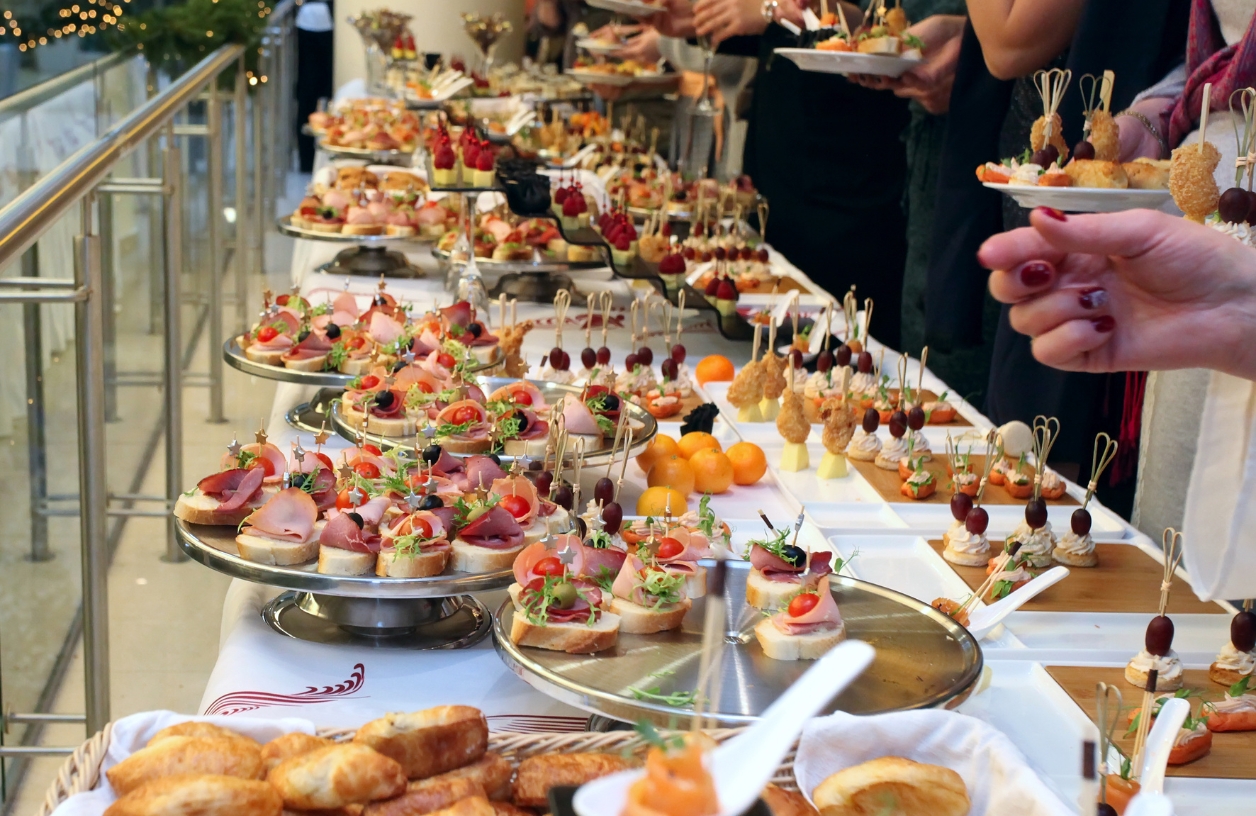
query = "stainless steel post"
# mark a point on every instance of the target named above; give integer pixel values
(172, 217)
(37, 453)
(242, 237)
(152, 169)
(104, 206)
(93, 490)
(259, 212)
(213, 169)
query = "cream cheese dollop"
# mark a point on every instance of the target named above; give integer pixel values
(1234, 660)
(1168, 668)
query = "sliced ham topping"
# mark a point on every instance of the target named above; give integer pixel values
(537, 428)
(406, 526)
(695, 545)
(289, 515)
(347, 303)
(343, 533)
(579, 418)
(579, 611)
(458, 314)
(596, 558)
(482, 470)
(447, 516)
(426, 343)
(447, 414)
(314, 345)
(777, 569)
(486, 338)
(353, 456)
(518, 486)
(628, 582)
(494, 530)
(324, 493)
(290, 319)
(824, 615)
(274, 456)
(395, 408)
(528, 558)
(280, 342)
(233, 488)
(383, 329)
(372, 512)
(413, 375)
(448, 464)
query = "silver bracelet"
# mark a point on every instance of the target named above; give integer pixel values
(769, 11)
(1152, 129)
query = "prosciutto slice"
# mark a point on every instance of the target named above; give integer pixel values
(458, 314)
(343, 533)
(506, 485)
(596, 558)
(233, 488)
(579, 418)
(289, 515)
(777, 569)
(278, 462)
(824, 615)
(384, 329)
(535, 552)
(494, 530)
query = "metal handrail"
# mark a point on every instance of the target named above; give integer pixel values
(28, 216)
(54, 86)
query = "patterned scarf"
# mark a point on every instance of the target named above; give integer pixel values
(1209, 59)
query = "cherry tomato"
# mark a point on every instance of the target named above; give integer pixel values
(372, 449)
(369, 382)
(550, 567)
(355, 343)
(343, 502)
(267, 466)
(326, 460)
(802, 604)
(282, 300)
(670, 548)
(424, 388)
(267, 333)
(521, 397)
(420, 527)
(464, 414)
(446, 360)
(517, 506)
(367, 470)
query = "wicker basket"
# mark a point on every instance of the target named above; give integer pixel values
(81, 770)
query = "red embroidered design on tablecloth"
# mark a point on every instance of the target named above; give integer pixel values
(237, 702)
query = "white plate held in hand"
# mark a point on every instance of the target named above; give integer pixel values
(848, 62)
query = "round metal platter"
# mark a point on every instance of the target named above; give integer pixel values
(285, 227)
(215, 547)
(381, 156)
(644, 426)
(924, 660)
(234, 356)
(312, 417)
(524, 266)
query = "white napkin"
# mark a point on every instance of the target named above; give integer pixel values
(132, 733)
(998, 777)
(1219, 521)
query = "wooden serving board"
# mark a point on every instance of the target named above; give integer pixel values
(887, 483)
(686, 405)
(1233, 754)
(1126, 580)
(926, 396)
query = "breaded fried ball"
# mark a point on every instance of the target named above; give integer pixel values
(1104, 136)
(1191, 181)
(1037, 141)
(896, 20)
(1094, 173)
(839, 425)
(773, 376)
(747, 386)
(792, 422)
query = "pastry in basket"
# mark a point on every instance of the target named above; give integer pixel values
(914, 788)
(186, 755)
(350, 773)
(429, 742)
(809, 625)
(647, 598)
(1237, 659)
(434, 795)
(488, 537)
(1235, 711)
(491, 772)
(290, 745)
(1157, 652)
(538, 774)
(1192, 741)
(780, 569)
(416, 546)
(283, 531)
(199, 793)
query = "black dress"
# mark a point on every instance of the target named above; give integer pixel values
(828, 156)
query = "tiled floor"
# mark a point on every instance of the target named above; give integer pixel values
(164, 617)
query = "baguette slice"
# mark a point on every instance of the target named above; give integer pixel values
(202, 509)
(780, 646)
(472, 558)
(429, 742)
(355, 366)
(572, 638)
(275, 553)
(264, 356)
(635, 619)
(768, 595)
(308, 364)
(462, 446)
(335, 561)
(420, 565)
(525, 447)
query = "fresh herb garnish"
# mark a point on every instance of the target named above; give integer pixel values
(447, 429)
(663, 586)
(597, 403)
(337, 356)
(650, 735)
(1239, 688)
(599, 539)
(604, 424)
(245, 458)
(508, 427)
(775, 544)
(656, 695)
(605, 578)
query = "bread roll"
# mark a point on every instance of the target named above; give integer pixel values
(194, 728)
(199, 795)
(507, 809)
(426, 796)
(475, 806)
(492, 771)
(430, 742)
(538, 774)
(892, 786)
(186, 755)
(336, 776)
(786, 803)
(290, 745)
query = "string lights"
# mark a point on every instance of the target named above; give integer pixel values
(82, 18)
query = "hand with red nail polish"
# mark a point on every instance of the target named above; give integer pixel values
(1135, 290)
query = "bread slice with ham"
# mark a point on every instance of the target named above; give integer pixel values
(579, 419)
(488, 543)
(803, 637)
(772, 579)
(226, 497)
(350, 542)
(281, 532)
(429, 557)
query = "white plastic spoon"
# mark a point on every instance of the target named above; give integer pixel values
(742, 766)
(519, 120)
(982, 621)
(1160, 742)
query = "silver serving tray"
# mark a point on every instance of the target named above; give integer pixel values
(924, 660)
(285, 227)
(234, 357)
(543, 265)
(381, 156)
(643, 433)
(214, 546)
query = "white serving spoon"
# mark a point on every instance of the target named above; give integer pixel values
(1160, 742)
(982, 621)
(519, 120)
(742, 766)
(452, 88)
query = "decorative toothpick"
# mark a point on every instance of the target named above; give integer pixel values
(1144, 719)
(1046, 431)
(1105, 452)
(1171, 546)
(235, 447)
(1108, 705)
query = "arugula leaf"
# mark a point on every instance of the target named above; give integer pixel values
(508, 428)
(656, 695)
(605, 425)
(337, 356)
(1001, 589)
(599, 539)
(597, 403)
(776, 545)
(650, 735)
(447, 429)
(664, 587)
(1240, 688)
(605, 578)
(245, 458)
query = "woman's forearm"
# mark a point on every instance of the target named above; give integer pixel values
(1020, 36)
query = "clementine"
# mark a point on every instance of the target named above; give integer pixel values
(662, 445)
(672, 472)
(749, 463)
(657, 501)
(714, 368)
(712, 471)
(695, 441)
